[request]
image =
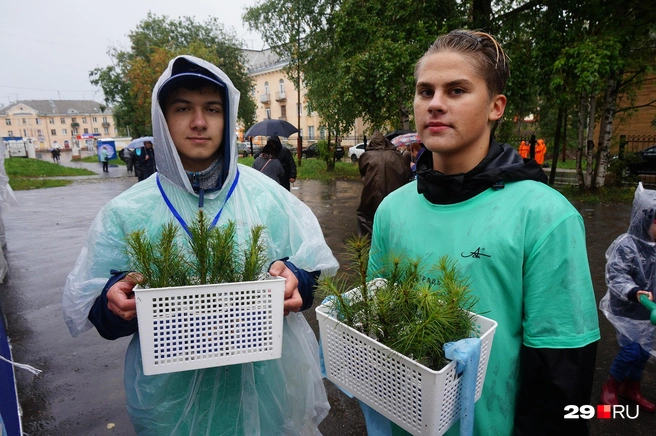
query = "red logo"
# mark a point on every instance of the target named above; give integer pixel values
(603, 411)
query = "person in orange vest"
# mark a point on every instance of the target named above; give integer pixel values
(524, 150)
(540, 151)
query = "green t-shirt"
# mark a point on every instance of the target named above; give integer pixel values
(523, 248)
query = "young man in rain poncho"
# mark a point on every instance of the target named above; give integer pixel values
(194, 110)
(630, 273)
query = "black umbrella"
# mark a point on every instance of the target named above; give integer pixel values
(271, 127)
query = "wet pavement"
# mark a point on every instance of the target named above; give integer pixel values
(81, 390)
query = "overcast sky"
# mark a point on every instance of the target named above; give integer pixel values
(47, 48)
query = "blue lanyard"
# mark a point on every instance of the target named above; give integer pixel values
(177, 215)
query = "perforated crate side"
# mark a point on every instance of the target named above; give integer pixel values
(421, 401)
(203, 326)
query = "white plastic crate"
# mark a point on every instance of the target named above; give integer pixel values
(193, 327)
(416, 398)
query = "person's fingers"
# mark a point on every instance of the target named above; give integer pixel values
(120, 299)
(293, 303)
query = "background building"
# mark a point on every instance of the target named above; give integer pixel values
(56, 123)
(278, 98)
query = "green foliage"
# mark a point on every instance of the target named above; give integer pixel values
(403, 311)
(128, 83)
(208, 255)
(357, 58)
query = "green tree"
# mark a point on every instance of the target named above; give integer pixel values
(361, 53)
(129, 81)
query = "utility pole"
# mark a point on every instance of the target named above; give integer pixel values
(299, 145)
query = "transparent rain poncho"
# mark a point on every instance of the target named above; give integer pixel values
(631, 265)
(276, 397)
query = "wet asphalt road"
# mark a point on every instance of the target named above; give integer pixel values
(81, 390)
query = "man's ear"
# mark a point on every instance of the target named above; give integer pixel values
(497, 107)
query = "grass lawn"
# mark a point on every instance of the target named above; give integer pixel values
(33, 174)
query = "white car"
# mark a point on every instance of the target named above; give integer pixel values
(356, 151)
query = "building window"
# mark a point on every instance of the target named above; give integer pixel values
(281, 86)
(74, 131)
(24, 121)
(86, 131)
(104, 119)
(10, 133)
(95, 130)
(84, 119)
(94, 119)
(268, 112)
(266, 87)
(52, 121)
(253, 91)
(322, 133)
(8, 122)
(62, 120)
(38, 120)
(299, 109)
(64, 131)
(310, 132)
(106, 129)
(73, 120)
(53, 132)
(283, 111)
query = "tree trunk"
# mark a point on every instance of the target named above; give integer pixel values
(605, 131)
(556, 147)
(589, 143)
(579, 149)
(330, 160)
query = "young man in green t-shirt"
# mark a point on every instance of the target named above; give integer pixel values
(521, 243)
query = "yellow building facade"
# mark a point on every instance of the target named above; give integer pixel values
(279, 98)
(56, 123)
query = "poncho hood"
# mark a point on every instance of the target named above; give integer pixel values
(379, 142)
(168, 160)
(501, 165)
(643, 214)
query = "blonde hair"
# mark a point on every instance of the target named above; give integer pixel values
(490, 61)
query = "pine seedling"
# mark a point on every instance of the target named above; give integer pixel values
(223, 246)
(406, 313)
(168, 262)
(255, 258)
(210, 255)
(199, 241)
(140, 254)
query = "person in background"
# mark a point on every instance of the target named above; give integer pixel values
(383, 170)
(520, 243)
(268, 164)
(540, 151)
(630, 273)
(104, 158)
(416, 149)
(287, 160)
(524, 150)
(146, 161)
(194, 111)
